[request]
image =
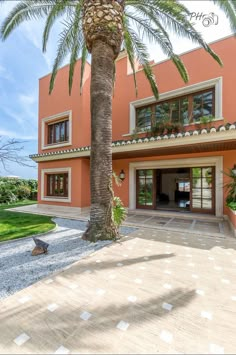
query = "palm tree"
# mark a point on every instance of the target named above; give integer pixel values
(102, 27)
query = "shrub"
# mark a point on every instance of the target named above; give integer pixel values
(6, 195)
(232, 205)
(230, 187)
(23, 192)
(13, 189)
(119, 212)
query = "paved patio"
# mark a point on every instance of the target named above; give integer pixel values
(163, 220)
(153, 292)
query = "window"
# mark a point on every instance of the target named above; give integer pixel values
(57, 185)
(144, 117)
(183, 110)
(202, 105)
(58, 132)
(184, 186)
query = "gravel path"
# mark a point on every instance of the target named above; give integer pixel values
(19, 269)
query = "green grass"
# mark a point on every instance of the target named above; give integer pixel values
(14, 225)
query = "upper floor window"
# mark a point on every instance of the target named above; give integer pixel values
(58, 132)
(183, 110)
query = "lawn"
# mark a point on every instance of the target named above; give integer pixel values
(14, 225)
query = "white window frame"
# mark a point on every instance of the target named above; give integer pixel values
(44, 196)
(216, 82)
(216, 161)
(57, 117)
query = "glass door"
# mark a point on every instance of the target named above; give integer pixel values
(203, 189)
(145, 189)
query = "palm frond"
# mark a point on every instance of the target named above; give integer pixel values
(161, 37)
(78, 43)
(141, 54)
(65, 43)
(57, 10)
(130, 51)
(229, 8)
(174, 17)
(25, 11)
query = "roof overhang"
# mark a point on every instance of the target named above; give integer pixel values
(195, 142)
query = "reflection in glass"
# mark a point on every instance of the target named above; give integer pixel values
(202, 105)
(196, 193)
(207, 204)
(144, 116)
(206, 193)
(145, 187)
(196, 203)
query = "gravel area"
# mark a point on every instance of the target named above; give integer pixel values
(19, 269)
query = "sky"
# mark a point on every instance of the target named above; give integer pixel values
(22, 63)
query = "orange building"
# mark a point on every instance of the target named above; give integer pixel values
(172, 152)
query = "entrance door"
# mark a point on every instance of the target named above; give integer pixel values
(202, 194)
(145, 189)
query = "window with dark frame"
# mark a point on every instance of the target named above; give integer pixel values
(184, 110)
(57, 185)
(58, 132)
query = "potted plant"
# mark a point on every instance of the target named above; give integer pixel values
(205, 121)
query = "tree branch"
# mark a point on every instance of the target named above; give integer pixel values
(10, 152)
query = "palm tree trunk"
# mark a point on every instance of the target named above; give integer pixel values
(101, 224)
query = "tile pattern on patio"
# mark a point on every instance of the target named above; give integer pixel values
(208, 225)
(152, 292)
(193, 223)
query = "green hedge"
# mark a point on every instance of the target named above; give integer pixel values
(14, 189)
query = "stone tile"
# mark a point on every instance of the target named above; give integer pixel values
(62, 350)
(85, 315)
(132, 299)
(73, 286)
(24, 299)
(138, 281)
(48, 281)
(200, 292)
(194, 276)
(166, 336)
(216, 349)
(122, 325)
(167, 306)
(206, 314)
(21, 339)
(52, 307)
(225, 281)
(100, 292)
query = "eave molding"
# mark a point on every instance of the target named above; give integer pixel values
(146, 144)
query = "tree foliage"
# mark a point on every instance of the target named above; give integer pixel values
(143, 20)
(14, 189)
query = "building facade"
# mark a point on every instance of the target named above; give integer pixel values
(173, 152)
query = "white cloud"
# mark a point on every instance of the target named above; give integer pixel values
(210, 34)
(27, 99)
(5, 74)
(17, 135)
